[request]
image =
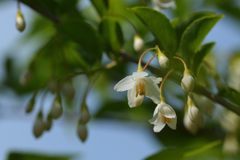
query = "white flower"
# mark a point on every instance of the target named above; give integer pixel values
(163, 114)
(193, 119)
(138, 43)
(164, 4)
(138, 85)
(187, 82)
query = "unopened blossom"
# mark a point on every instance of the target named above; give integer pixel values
(138, 43)
(164, 4)
(20, 21)
(163, 115)
(139, 85)
(193, 119)
(187, 82)
(162, 58)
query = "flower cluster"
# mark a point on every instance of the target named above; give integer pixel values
(140, 84)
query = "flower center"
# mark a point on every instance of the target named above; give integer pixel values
(140, 87)
(166, 120)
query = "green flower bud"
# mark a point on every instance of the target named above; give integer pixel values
(38, 127)
(20, 21)
(57, 109)
(48, 123)
(85, 115)
(31, 104)
(82, 131)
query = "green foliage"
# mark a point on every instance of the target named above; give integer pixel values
(200, 55)
(161, 27)
(33, 156)
(199, 151)
(97, 41)
(195, 33)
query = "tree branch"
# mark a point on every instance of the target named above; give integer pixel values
(126, 57)
(198, 88)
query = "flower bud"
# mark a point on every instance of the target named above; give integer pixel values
(138, 43)
(20, 21)
(85, 116)
(193, 119)
(57, 109)
(82, 131)
(162, 58)
(187, 82)
(48, 123)
(231, 145)
(31, 104)
(38, 127)
(25, 78)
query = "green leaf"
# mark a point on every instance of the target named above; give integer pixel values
(199, 56)
(167, 154)
(195, 33)
(230, 94)
(101, 6)
(85, 35)
(160, 26)
(180, 28)
(112, 33)
(192, 151)
(34, 156)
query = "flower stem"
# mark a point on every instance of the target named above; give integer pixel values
(149, 61)
(183, 62)
(162, 99)
(18, 5)
(141, 57)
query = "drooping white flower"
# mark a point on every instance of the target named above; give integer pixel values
(163, 114)
(187, 82)
(139, 85)
(138, 43)
(193, 119)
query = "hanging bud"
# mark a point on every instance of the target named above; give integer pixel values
(193, 119)
(20, 21)
(25, 78)
(187, 82)
(31, 103)
(231, 145)
(138, 43)
(57, 109)
(38, 127)
(82, 131)
(48, 123)
(85, 115)
(162, 58)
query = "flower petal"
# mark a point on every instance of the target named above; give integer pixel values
(159, 126)
(156, 80)
(134, 101)
(173, 123)
(136, 75)
(152, 90)
(125, 84)
(167, 111)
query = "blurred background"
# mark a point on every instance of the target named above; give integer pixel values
(114, 131)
